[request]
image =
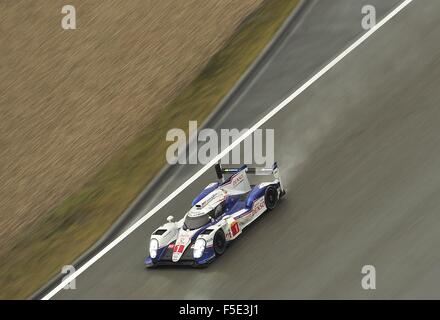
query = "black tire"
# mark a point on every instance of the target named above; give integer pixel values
(219, 242)
(271, 198)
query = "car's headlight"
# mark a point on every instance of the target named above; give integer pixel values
(199, 247)
(154, 245)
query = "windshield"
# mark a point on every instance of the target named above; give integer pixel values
(196, 222)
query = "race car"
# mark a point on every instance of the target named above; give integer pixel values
(217, 216)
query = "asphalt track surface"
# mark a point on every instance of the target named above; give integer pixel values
(359, 152)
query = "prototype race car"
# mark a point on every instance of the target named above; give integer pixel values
(218, 216)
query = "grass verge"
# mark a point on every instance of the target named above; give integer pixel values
(83, 218)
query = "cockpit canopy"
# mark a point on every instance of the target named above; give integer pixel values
(195, 220)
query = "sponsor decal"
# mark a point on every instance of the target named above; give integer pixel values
(258, 206)
(235, 228)
(179, 248)
(237, 179)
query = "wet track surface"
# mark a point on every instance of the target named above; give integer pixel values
(359, 152)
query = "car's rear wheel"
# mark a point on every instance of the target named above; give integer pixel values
(271, 198)
(219, 242)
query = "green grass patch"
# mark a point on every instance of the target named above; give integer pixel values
(80, 220)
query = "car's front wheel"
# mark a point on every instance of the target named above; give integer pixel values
(219, 242)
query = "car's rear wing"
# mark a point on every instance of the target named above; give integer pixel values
(220, 171)
(262, 171)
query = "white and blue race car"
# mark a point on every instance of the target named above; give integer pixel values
(218, 216)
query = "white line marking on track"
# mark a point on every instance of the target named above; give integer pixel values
(269, 115)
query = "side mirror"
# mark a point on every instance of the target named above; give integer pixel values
(170, 218)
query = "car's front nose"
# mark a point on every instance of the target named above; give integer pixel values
(165, 257)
